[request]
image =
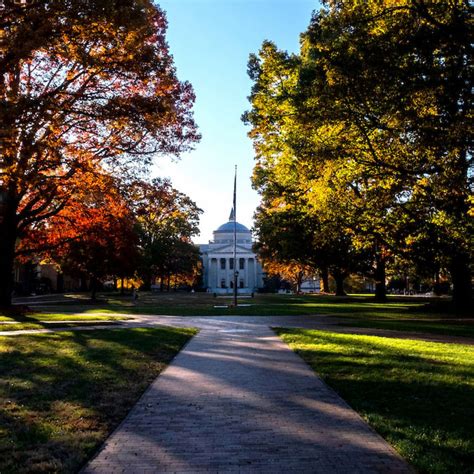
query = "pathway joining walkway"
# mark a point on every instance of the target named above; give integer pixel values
(237, 399)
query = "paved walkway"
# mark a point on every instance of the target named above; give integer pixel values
(237, 399)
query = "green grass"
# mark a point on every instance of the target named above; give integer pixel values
(37, 317)
(417, 395)
(20, 321)
(403, 313)
(62, 394)
(202, 304)
(451, 328)
(52, 325)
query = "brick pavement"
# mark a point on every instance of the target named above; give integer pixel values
(237, 399)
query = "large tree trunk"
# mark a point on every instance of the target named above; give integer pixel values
(324, 280)
(8, 236)
(7, 256)
(379, 274)
(339, 279)
(462, 284)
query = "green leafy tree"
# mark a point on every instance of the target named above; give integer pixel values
(370, 124)
(301, 220)
(396, 80)
(166, 222)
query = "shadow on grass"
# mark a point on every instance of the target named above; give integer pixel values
(442, 327)
(65, 392)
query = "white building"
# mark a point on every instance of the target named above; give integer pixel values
(218, 261)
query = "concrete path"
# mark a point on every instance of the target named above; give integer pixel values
(237, 399)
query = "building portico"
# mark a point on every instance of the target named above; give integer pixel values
(218, 261)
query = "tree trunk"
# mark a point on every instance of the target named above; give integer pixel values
(339, 279)
(168, 283)
(93, 288)
(436, 286)
(147, 284)
(462, 285)
(8, 235)
(60, 283)
(299, 280)
(379, 274)
(7, 257)
(122, 286)
(324, 280)
(83, 284)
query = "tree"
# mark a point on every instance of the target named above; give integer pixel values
(396, 80)
(167, 220)
(92, 237)
(301, 220)
(82, 85)
(374, 112)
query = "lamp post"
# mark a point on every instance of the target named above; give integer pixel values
(235, 238)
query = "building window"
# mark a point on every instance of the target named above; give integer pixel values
(232, 284)
(222, 264)
(231, 263)
(241, 263)
(241, 283)
(223, 285)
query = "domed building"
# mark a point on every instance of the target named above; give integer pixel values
(218, 261)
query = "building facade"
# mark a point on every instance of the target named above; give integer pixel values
(219, 266)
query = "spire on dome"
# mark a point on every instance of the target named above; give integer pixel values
(232, 215)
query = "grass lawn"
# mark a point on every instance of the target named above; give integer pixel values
(448, 328)
(61, 394)
(403, 313)
(16, 322)
(51, 317)
(417, 395)
(202, 304)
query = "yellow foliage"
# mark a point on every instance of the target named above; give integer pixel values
(471, 206)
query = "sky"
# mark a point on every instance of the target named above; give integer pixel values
(210, 41)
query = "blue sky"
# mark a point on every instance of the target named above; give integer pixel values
(211, 41)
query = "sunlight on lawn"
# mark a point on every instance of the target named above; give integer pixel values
(418, 395)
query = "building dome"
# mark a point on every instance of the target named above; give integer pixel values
(228, 227)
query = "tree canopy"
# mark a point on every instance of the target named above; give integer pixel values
(368, 129)
(85, 86)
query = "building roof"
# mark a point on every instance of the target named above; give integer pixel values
(228, 227)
